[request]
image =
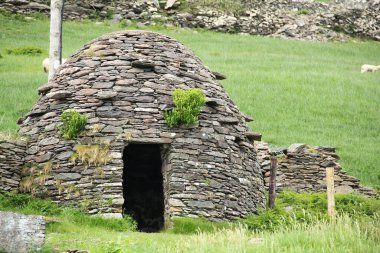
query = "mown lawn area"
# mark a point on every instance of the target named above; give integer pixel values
(297, 92)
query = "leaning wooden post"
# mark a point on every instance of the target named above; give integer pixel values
(330, 191)
(272, 181)
(55, 53)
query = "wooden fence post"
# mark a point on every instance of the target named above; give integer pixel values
(272, 181)
(330, 191)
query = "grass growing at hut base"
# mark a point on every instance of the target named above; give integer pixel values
(356, 229)
(340, 235)
(298, 92)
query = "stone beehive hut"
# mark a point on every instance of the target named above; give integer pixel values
(123, 83)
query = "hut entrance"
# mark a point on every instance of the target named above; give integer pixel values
(143, 186)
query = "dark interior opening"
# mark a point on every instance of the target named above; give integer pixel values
(143, 186)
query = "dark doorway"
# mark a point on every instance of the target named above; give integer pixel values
(143, 186)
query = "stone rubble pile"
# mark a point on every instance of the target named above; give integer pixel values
(302, 168)
(25, 6)
(12, 155)
(263, 21)
(358, 21)
(299, 19)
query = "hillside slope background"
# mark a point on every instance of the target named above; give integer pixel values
(297, 92)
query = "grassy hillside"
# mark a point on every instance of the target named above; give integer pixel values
(305, 92)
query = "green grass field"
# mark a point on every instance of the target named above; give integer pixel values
(297, 92)
(342, 235)
(304, 229)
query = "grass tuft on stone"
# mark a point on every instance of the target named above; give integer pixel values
(73, 123)
(188, 104)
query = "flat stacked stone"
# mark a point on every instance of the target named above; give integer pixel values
(12, 155)
(123, 83)
(302, 168)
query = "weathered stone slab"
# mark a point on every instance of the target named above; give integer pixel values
(45, 88)
(59, 94)
(151, 140)
(68, 176)
(202, 204)
(102, 85)
(112, 129)
(106, 94)
(87, 92)
(143, 63)
(49, 141)
(295, 148)
(126, 82)
(21, 233)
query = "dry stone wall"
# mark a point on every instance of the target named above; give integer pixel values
(299, 19)
(303, 168)
(12, 155)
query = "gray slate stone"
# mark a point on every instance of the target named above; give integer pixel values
(21, 233)
(59, 95)
(106, 94)
(68, 176)
(202, 204)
